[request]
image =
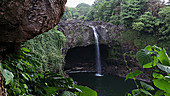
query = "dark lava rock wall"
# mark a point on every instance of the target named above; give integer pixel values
(79, 33)
(21, 20)
(84, 58)
(80, 54)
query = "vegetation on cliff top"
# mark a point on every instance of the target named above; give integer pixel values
(142, 18)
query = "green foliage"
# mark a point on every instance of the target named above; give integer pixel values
(71, 13)
(141, 40)
(21, 71)
(145, 59)
(49, 46)
(156, 58)
(146, 86)
(162, 85)
(67, 14)
(82, 5)
(138, 26)
(146, 23)
(68, 93)
(85, 91)
(105, 10)
(7, 75)
(23, 79)
(164, 29)
(131, 10)
(90, 14)
(115, 19)
(83, 9)
(163, 67)
(79, 12)
(133, 74)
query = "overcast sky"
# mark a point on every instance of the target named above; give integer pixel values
(74, 3)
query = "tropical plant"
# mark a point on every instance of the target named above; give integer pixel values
(21, 78)
(156, 58)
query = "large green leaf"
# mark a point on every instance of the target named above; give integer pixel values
(20, 66)
(25, 76)
(158, 76)
(146, 86)
(146, 92)
(149, 48)
(163, 67)
(51, 90)
(162, 84)
(163, 57)
(68, 93)
(86, 91)
(133, 74)
(136, 92)
(167, 94)
(26, 50)
(17, 91)
(8, 76)
(151, 64)
(144, 58)
(156, 48)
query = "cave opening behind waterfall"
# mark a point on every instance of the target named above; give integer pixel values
(84, 58)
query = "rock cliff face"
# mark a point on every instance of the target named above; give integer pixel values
(79, 33)
(21, 20)
(80, 48)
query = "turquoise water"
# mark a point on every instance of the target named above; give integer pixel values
(105, 85)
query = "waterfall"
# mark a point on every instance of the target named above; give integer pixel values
(98, 61)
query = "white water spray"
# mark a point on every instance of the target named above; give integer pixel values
(98, 62)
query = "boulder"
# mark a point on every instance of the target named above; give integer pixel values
(21, 20)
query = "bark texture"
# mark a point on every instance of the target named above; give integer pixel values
(21, 20)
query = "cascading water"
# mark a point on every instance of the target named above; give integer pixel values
(98, 62)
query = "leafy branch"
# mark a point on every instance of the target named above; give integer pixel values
(156, 58)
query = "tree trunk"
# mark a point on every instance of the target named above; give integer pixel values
(21, 20)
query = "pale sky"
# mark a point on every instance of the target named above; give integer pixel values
(74, 3)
